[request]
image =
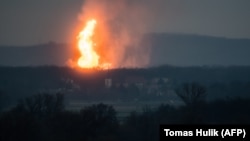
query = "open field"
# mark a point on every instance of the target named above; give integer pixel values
(123, 108)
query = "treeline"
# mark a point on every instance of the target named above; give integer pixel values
(182, 74)
(43, 117)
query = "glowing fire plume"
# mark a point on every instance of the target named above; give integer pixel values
(89, 58)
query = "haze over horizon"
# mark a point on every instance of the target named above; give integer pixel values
(30, 22)
(202, 32)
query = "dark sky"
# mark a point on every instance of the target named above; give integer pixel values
(25, 22)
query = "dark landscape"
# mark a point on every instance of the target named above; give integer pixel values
(124, 70)
(61, 103)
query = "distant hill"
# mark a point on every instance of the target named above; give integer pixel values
(44, 54)
(189, 50)
(166, 48)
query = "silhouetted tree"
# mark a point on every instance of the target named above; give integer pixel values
(67, 125)
(229, 111)
(167, 114)
(30, 119)
(44, 105)
(1, 101)
(18, 124)
(100, 121)
(140, 126)
(191, 93)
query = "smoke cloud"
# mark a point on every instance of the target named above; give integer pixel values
(121, 25)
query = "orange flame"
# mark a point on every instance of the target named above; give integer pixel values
(89, 58)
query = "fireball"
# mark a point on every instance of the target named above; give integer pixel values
(89, 57)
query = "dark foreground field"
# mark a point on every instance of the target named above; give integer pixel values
(59, 103)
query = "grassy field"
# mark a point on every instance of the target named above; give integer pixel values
(122, 108)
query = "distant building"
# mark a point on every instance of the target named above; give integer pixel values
(108, 82)
(158, 86)
(138, 81)
(161, 80)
